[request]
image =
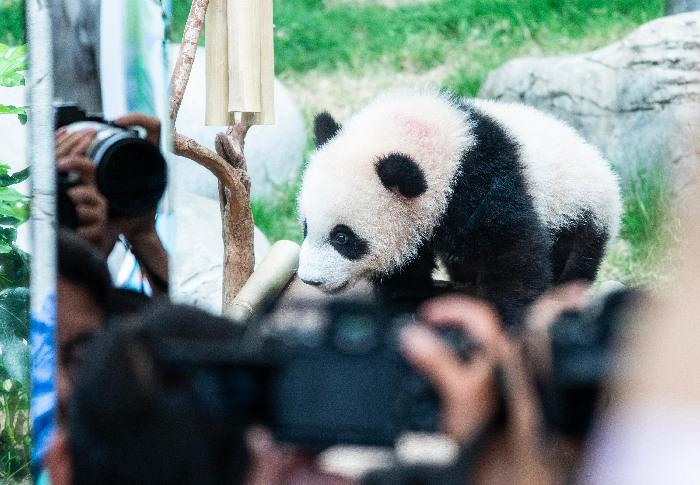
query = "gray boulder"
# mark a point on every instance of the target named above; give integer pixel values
(680, 6)
(638, 100)
(274, 153)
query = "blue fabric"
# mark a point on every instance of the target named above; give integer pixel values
(43, 398)
(135, 281)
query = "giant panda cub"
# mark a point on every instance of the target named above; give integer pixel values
(509, 200)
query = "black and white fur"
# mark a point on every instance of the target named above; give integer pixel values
(510, 200)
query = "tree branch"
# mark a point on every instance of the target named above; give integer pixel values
(185, 58)
(189, 148)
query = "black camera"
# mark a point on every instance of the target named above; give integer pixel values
(131, 172)
(320, 375)
(582, 360)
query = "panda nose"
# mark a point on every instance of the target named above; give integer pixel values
(312, 282)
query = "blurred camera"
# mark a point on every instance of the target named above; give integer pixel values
(322, 375)
(131, 172)
(582, 360)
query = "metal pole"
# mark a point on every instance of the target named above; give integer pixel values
(41, 143)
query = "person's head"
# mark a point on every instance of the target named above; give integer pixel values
(133, 418)
(83, 290)
(86, 300)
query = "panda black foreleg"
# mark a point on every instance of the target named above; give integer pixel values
(578, 251)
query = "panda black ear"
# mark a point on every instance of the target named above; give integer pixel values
(400, 173)
(325, 128)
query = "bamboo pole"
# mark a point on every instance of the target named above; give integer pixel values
(244, 56)
(266, 116)
(216, 40)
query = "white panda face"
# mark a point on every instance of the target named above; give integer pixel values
(376, 188)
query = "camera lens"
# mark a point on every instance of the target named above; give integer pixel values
(131, 173)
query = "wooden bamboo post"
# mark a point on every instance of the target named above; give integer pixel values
(244, 56)
(266, 116)
(240, 62)
(216, 41)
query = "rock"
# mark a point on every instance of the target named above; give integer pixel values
(680, 6)
(199, 250)
(638, 100)
(274, 153)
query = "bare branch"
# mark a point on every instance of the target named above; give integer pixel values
(230, 145)
(185, 58)
(189, 148)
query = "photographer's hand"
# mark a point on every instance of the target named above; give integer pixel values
(90, 204)
(468, 390)
(68, 144)
(149, 123)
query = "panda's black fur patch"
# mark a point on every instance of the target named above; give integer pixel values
(400, 173)
(490, 236)
(325, 128)
(490, 239)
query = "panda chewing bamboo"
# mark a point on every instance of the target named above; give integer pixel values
(510, 200)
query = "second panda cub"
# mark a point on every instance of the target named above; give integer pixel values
(510, 200)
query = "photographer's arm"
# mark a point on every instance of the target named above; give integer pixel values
(147, 247)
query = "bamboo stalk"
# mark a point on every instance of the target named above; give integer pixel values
(216, 40)
(244, 56)
(267, 67)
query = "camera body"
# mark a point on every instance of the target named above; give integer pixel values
(582, 360)
(131, 172)
(321, 375)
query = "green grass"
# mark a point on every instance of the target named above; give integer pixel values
(277, 217)
(475, 35)
(648, 229)
(12, 22)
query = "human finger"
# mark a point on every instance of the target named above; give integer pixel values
(545, 310)
(89, 197)
(467, 390)
(431, 357)
(75, 143)
(477, 318)
(83, 166)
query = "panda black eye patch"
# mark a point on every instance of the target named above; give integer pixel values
(347, 243)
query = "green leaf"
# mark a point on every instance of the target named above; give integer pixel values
(14, 312)
(13, 63)
(15, 359)
(6, 179)
(14, 332)
(8, 109)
